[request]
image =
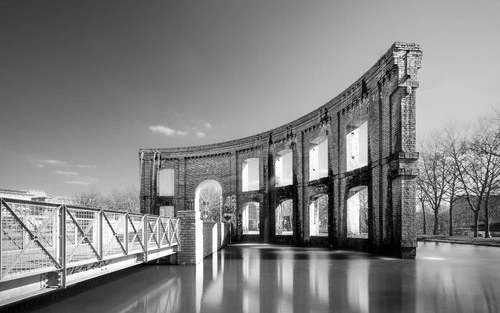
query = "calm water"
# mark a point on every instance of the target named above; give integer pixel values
(260, 278)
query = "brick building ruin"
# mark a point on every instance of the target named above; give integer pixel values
(342, 176)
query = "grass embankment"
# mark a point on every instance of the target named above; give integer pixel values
(479, 241)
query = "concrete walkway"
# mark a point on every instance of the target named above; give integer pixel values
(479, 241)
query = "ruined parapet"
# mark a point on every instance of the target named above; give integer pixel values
(358, 150)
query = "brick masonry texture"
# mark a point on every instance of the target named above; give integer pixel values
(384, 97)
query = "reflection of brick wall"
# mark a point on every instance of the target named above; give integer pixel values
(209, 232)
(384, 97)
(209, 229)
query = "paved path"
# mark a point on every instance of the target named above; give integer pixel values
(491, 242)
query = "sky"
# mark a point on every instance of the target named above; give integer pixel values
(85, 84)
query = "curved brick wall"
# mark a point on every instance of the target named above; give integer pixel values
(384, 97)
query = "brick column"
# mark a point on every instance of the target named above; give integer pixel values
(191, 237)
(333, 169)
(269, 199)
(300, 205)
(146, 193)
(234, 179)
(181, 185)
(403, 167)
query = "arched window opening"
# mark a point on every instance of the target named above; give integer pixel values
(357, 213)
(250, 175)
(284, 218)
(208, 200)
(166, 183)
(318, 159)
(250, 218)
(318, 216)
(284, 169)
(357, 146)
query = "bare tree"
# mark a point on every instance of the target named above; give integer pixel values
(451, 176)
(421, 198)
(120, 200)
(211, 203)
(91, 198)
(477, 164)
(433, 176)
(451, 194)
(126, 199)
(485, 144)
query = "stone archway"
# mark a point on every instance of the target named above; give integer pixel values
(208, 208)
(251, 218)
(284, 218)
(208, 200)
(318, 216)
(357, 212)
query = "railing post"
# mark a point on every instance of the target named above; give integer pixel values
(100, 234)
(145, 223)
(158, 237)
(125, 233)
(169, 231)
(62, 243)
(178, 226)
(1, 239)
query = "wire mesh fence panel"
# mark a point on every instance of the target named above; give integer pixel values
(113, 233)
(29, 238)
(163, 225)
(177, 231)
(174, 231)
(35, 236)
(135, 233)
(152, 225)
(83, 243)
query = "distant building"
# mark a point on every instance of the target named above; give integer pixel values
(463, 217)
(34, 195)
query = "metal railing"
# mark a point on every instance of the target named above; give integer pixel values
(37, 238)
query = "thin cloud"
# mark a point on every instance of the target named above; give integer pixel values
(64, 173)
(43, 163)
(81, 180)
(197, 131)
(167, 131)
(200, 134)
(53, 162)
(85, 166)
(76, 182)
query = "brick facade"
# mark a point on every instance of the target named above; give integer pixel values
(384, 98)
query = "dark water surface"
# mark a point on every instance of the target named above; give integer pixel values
(261, 278)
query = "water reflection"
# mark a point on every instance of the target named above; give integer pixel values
(261, 278)
(357, 286)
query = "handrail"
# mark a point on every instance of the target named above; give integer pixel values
(39, 237)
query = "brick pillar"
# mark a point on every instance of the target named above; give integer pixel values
(181, 185)
(403, 167)
(300, 204)
(269, 199)
(191, 236)
(146, 189)
(234, 179)
(333, 169)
